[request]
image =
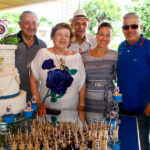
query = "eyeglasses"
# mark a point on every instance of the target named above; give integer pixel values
(133, 26)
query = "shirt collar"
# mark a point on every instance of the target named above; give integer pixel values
(21, 38)
(86, 39)
(138, 43)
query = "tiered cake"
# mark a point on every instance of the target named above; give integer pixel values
(10, 94)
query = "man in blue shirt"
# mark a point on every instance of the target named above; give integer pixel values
(134, 66)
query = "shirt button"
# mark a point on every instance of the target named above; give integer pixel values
(128, 51)
(135, 59)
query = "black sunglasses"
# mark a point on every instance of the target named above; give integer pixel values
(133, 26)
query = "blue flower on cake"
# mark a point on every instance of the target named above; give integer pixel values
(58, 80)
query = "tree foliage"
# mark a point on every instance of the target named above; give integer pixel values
(46, 21)
(100, 10)
(142, 8)
(13, 19)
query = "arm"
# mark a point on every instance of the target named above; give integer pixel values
(34, 87)
(147, 110)
(34, 92)
(82, 97)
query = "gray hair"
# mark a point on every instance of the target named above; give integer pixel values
(27, 12)
(132, 14)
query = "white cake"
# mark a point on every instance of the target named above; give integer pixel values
(10, 94)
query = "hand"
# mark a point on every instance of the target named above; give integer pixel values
(147, 110)
(82, 116)
(42, 109)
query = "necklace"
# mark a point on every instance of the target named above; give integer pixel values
(60, 61)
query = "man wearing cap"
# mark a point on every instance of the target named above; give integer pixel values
(134, 67)
(82, 41)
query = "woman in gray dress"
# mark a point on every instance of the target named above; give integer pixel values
(100, 67)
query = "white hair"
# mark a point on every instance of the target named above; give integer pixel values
(27, 12)
(132, 14)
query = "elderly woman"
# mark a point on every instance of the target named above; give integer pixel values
(100, 68)
(60, 73)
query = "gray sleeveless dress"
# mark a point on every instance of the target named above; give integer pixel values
(100, 71)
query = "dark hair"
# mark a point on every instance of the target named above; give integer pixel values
(61, 26)
(104, 24)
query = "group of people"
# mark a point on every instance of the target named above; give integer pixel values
(78, 71)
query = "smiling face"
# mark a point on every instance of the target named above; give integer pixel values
(104, 36)
(29, 25)
(132, 35)
(80, 26)
(61, 38)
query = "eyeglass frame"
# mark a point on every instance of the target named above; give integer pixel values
(133, 26)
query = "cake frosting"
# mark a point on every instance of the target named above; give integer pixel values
(7, 57)
(18, 103)
(10, 84)
(10, 93)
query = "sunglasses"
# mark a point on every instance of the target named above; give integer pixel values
(133, 26)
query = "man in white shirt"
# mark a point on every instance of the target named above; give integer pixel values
(82, 41)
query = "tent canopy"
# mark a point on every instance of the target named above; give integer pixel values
(6, 4)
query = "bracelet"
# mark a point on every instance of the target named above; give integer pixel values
(81, 104)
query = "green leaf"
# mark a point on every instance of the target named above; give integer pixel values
(60, 96)
(66, 68)
(73, 71)
(58, 122)
(52, 94)
(53, 99)
(11, 40)
(53, 118)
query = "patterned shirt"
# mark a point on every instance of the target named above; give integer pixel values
(89, 43)
(100, 71)
(71, 98)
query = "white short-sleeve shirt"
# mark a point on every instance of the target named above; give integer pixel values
(71, 98)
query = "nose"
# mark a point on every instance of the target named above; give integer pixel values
(130, 29)
(105, 37)
(31, 25)
(81, 26)
(63, 37)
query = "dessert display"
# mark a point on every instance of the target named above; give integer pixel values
(117, 96)
(10, 93)
(64, 136)
(28, 112)
(9, 79)
(8, 117)
(34, 104)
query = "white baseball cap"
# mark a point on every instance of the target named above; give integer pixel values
(80, 13)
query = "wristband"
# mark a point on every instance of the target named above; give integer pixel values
(81, 104)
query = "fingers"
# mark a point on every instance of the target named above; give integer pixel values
(42, 110)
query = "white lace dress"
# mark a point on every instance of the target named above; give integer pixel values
(71, 98)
